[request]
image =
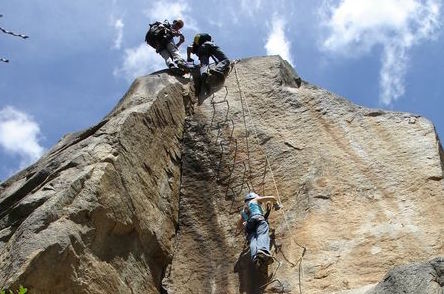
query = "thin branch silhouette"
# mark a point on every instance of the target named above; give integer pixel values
(12, 34)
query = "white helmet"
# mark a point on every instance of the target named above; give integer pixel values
(250, 196)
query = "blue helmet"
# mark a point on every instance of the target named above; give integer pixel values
(250, 196)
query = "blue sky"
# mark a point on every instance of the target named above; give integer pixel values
(82, 56)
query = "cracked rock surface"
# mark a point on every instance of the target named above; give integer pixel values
(426, 277)
(147, 200)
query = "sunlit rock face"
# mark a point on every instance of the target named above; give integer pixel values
(147, 200)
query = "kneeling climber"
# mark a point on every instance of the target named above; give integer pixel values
(256, 227)
(160, 36)
(204, 48)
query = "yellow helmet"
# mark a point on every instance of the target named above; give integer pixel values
(201, 38)
(196, 39)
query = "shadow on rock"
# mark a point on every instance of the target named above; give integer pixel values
(251, 278)
(211, 85)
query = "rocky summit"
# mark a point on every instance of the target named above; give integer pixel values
(147, 200)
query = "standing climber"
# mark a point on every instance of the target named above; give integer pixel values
(160, 36)
(256, 227)
(204, 48)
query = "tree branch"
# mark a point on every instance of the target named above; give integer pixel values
(14, 34)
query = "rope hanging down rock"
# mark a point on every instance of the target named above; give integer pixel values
(271, 171)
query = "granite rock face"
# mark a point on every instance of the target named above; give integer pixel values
(98, 213)
(147, 200)
(427, 277)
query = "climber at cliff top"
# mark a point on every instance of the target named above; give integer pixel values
(204, 48)
(160, 36)
(256, 227)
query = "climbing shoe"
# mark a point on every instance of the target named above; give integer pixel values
(216, 73)
(257, 262)
(265, 257)
(176, 70)
(184, 65)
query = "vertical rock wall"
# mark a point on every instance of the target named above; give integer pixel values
(147, 200)
(98, 213)
(362, 189)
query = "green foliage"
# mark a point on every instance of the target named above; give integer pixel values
(21, 290)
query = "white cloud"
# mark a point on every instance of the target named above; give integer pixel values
(392, 73)
(171, 10)
(251, 6)
(357, 26)
(118, 26)
(277, 43)
(19, 134)
(139, 61)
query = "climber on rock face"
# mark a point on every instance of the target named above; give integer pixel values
(204, 48)
(160, 36)
(256, 227)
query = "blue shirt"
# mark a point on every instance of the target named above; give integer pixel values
(254, 209)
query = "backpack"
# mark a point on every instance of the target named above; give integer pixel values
(157, 35)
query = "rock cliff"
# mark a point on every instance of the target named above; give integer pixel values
(147, 200)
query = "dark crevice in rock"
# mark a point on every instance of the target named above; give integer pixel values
(288, 75)
(7, 203)
(374, 113)
(178, 160)
(441, 152)
(292, 146)
(264, 139)
(20, 212)
(198, 214)
(434, 178)
(325, 197)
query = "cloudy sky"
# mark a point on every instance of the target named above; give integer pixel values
(82, 56)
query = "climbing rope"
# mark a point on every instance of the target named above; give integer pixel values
(269, 166)
(255, 132)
